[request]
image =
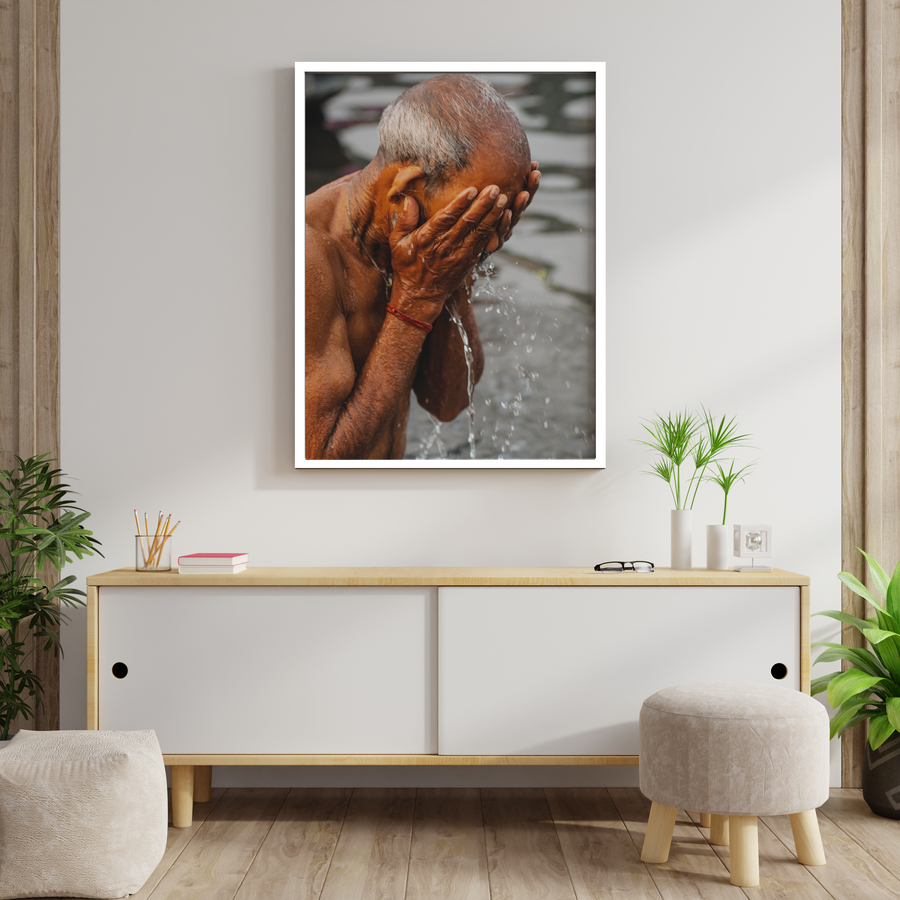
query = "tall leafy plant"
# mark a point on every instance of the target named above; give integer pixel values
(40, 527)
(870, 688)
(690, 442)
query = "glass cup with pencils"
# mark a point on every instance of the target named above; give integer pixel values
(153, 549)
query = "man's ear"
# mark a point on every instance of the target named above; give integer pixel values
(408, 181)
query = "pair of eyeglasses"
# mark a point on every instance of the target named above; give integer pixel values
(617, 565)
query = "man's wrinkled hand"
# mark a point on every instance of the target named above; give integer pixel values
(431, 261)
(514, 213)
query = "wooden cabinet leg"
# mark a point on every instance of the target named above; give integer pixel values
(705, 820)
(659, 833)
(807, 839)
(744, 851)
(182, 796)
(202, 783)
(718, 831)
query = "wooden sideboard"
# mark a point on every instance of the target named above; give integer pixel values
(421, 666)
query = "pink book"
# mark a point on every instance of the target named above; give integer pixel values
(213, 559)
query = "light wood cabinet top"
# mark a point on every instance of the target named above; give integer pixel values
(447, 576)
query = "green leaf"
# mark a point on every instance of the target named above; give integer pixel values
(859, 717)
(843, 717)
(876, 635)
(880, 729)
(817, 685)
(855, 585)
(849, 683)
(893, 594)
(893, 712)
(879, 576)
(862, 659)
(861, 624)
(887, 649)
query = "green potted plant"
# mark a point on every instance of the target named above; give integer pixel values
(718, 546)
(869, 690)
(687, 440)
(40, 527)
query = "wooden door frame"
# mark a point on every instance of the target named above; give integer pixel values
(29, 253)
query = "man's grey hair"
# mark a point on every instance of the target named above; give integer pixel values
(437, 124)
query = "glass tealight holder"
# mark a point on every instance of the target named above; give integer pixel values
(152, 554)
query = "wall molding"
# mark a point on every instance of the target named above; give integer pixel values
(29, 252)
(870, 286)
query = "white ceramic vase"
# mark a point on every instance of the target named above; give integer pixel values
(682, 550)
(718, 554)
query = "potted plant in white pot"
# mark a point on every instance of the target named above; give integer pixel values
(687, 440)
(40, 527)
(869, 690)
(718, 545)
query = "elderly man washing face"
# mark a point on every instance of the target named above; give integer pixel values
(390, 253)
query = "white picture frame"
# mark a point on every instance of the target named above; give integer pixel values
(550, 199)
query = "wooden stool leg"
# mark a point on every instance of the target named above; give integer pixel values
(705, 820)
(659, 833)
(182, 796)
(202, 783)
(718, 831)
(744, 851)
(807, 839)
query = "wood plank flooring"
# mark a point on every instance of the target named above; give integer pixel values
(499, 844)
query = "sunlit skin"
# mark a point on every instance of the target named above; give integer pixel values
(361, 363)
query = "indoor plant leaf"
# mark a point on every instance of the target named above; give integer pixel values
(39, 524)
(893, 712)
(879, 576)
(847, 684)
(887, 649)
(843, 718)
(880, 729)
(860, 624)
(892, 595)
(861, 658)
(855, 585)
(817, 685)
(876, 635)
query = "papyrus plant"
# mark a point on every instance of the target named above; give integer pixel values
(686, 440)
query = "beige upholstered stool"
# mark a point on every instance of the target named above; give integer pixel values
(82, 813)
(737, 751)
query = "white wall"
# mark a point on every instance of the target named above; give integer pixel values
(723, 287)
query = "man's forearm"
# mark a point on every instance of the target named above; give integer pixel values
(441, 382)
(361, 423)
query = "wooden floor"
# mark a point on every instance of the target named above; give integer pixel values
(498, 844)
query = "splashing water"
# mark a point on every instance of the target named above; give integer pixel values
(430, 440)
(532, 401)
(470, 372)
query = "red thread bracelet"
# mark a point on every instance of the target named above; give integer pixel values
(396, 312)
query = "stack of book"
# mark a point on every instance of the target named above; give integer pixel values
(212, 563)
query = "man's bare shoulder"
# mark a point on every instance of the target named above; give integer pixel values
(326, 245)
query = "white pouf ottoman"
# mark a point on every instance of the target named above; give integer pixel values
(737, 751)
(82, 813)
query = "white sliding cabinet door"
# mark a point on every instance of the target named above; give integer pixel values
(340, 670)
(564, 670)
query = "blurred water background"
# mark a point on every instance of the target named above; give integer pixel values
(534, 300)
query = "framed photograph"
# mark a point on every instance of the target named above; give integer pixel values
(450, 265)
